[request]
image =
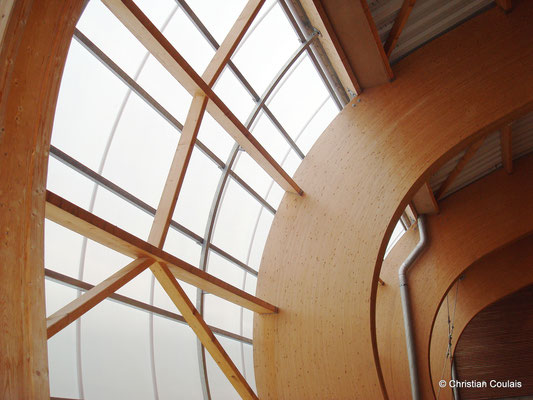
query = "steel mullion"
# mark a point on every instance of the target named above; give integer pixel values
(82, 285)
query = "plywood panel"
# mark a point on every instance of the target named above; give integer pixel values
(489, 279)
(323, 256)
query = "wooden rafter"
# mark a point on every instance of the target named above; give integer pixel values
(75, 309)
(398, 26)
(159, 46)
(469, 154)
(81, 221)
(506, 139)
(424, 201)
(176, 175)
(170, 195)
(198, 325)
(505, 5)
(232, 40)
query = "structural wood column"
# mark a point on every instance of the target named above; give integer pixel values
(32, 57)
(324, 252)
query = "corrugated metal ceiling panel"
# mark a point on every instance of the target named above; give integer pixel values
(488, 157)
(429, 19)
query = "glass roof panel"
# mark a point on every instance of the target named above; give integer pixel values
(270, 137)
(189, 42)
(217, 16)
(264, 223)
(109, 332)
(196, 195)
(101, 26)
(164, 88)
(235, 225)
(317, 124)
(81, 100)
(176, 360)
(301, 94)
(183, 247)
(61, 179)
(66, 258)
(62, 366)
(141, 152)
(219, 385)
(215, 137)
(266, 49)
(139, 158)
(119, 212)
(252, 173)
(234, 95)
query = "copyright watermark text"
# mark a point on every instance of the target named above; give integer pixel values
(480, 384)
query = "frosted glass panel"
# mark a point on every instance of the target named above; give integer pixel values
(290, 106)
(235, 225)
(176, 360)
(165, 89)
(252, 173)
(119, 212)
(270, 137)
(221, 388)
(61, 249)
(318, 124)
(234, 95)
(217, 16)
(257, 58)
(189, 42)
(196, 196)
(84, 117)
(62, 346)
(141, 152)
(183, 247)
(111, 36)
(258, 244)
(249, 365)
(69, 184)
(115, 353)
(215, 137)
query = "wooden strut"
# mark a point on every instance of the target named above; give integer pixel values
(150, 255)
(398, 26)
(158, 45)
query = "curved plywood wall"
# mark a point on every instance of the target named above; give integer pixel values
(489, 279)
(323, 255)
(32, 58)
(473, 223)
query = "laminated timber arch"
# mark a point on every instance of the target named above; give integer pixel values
(490, 279)
(33, 53)
(323, 256)
(484, 232)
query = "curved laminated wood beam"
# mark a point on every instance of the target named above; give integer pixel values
(323, 256)
(474, 222)
(36, 37)
(486, 281)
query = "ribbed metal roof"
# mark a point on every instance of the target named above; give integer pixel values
(429, 19)
(487, 158)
